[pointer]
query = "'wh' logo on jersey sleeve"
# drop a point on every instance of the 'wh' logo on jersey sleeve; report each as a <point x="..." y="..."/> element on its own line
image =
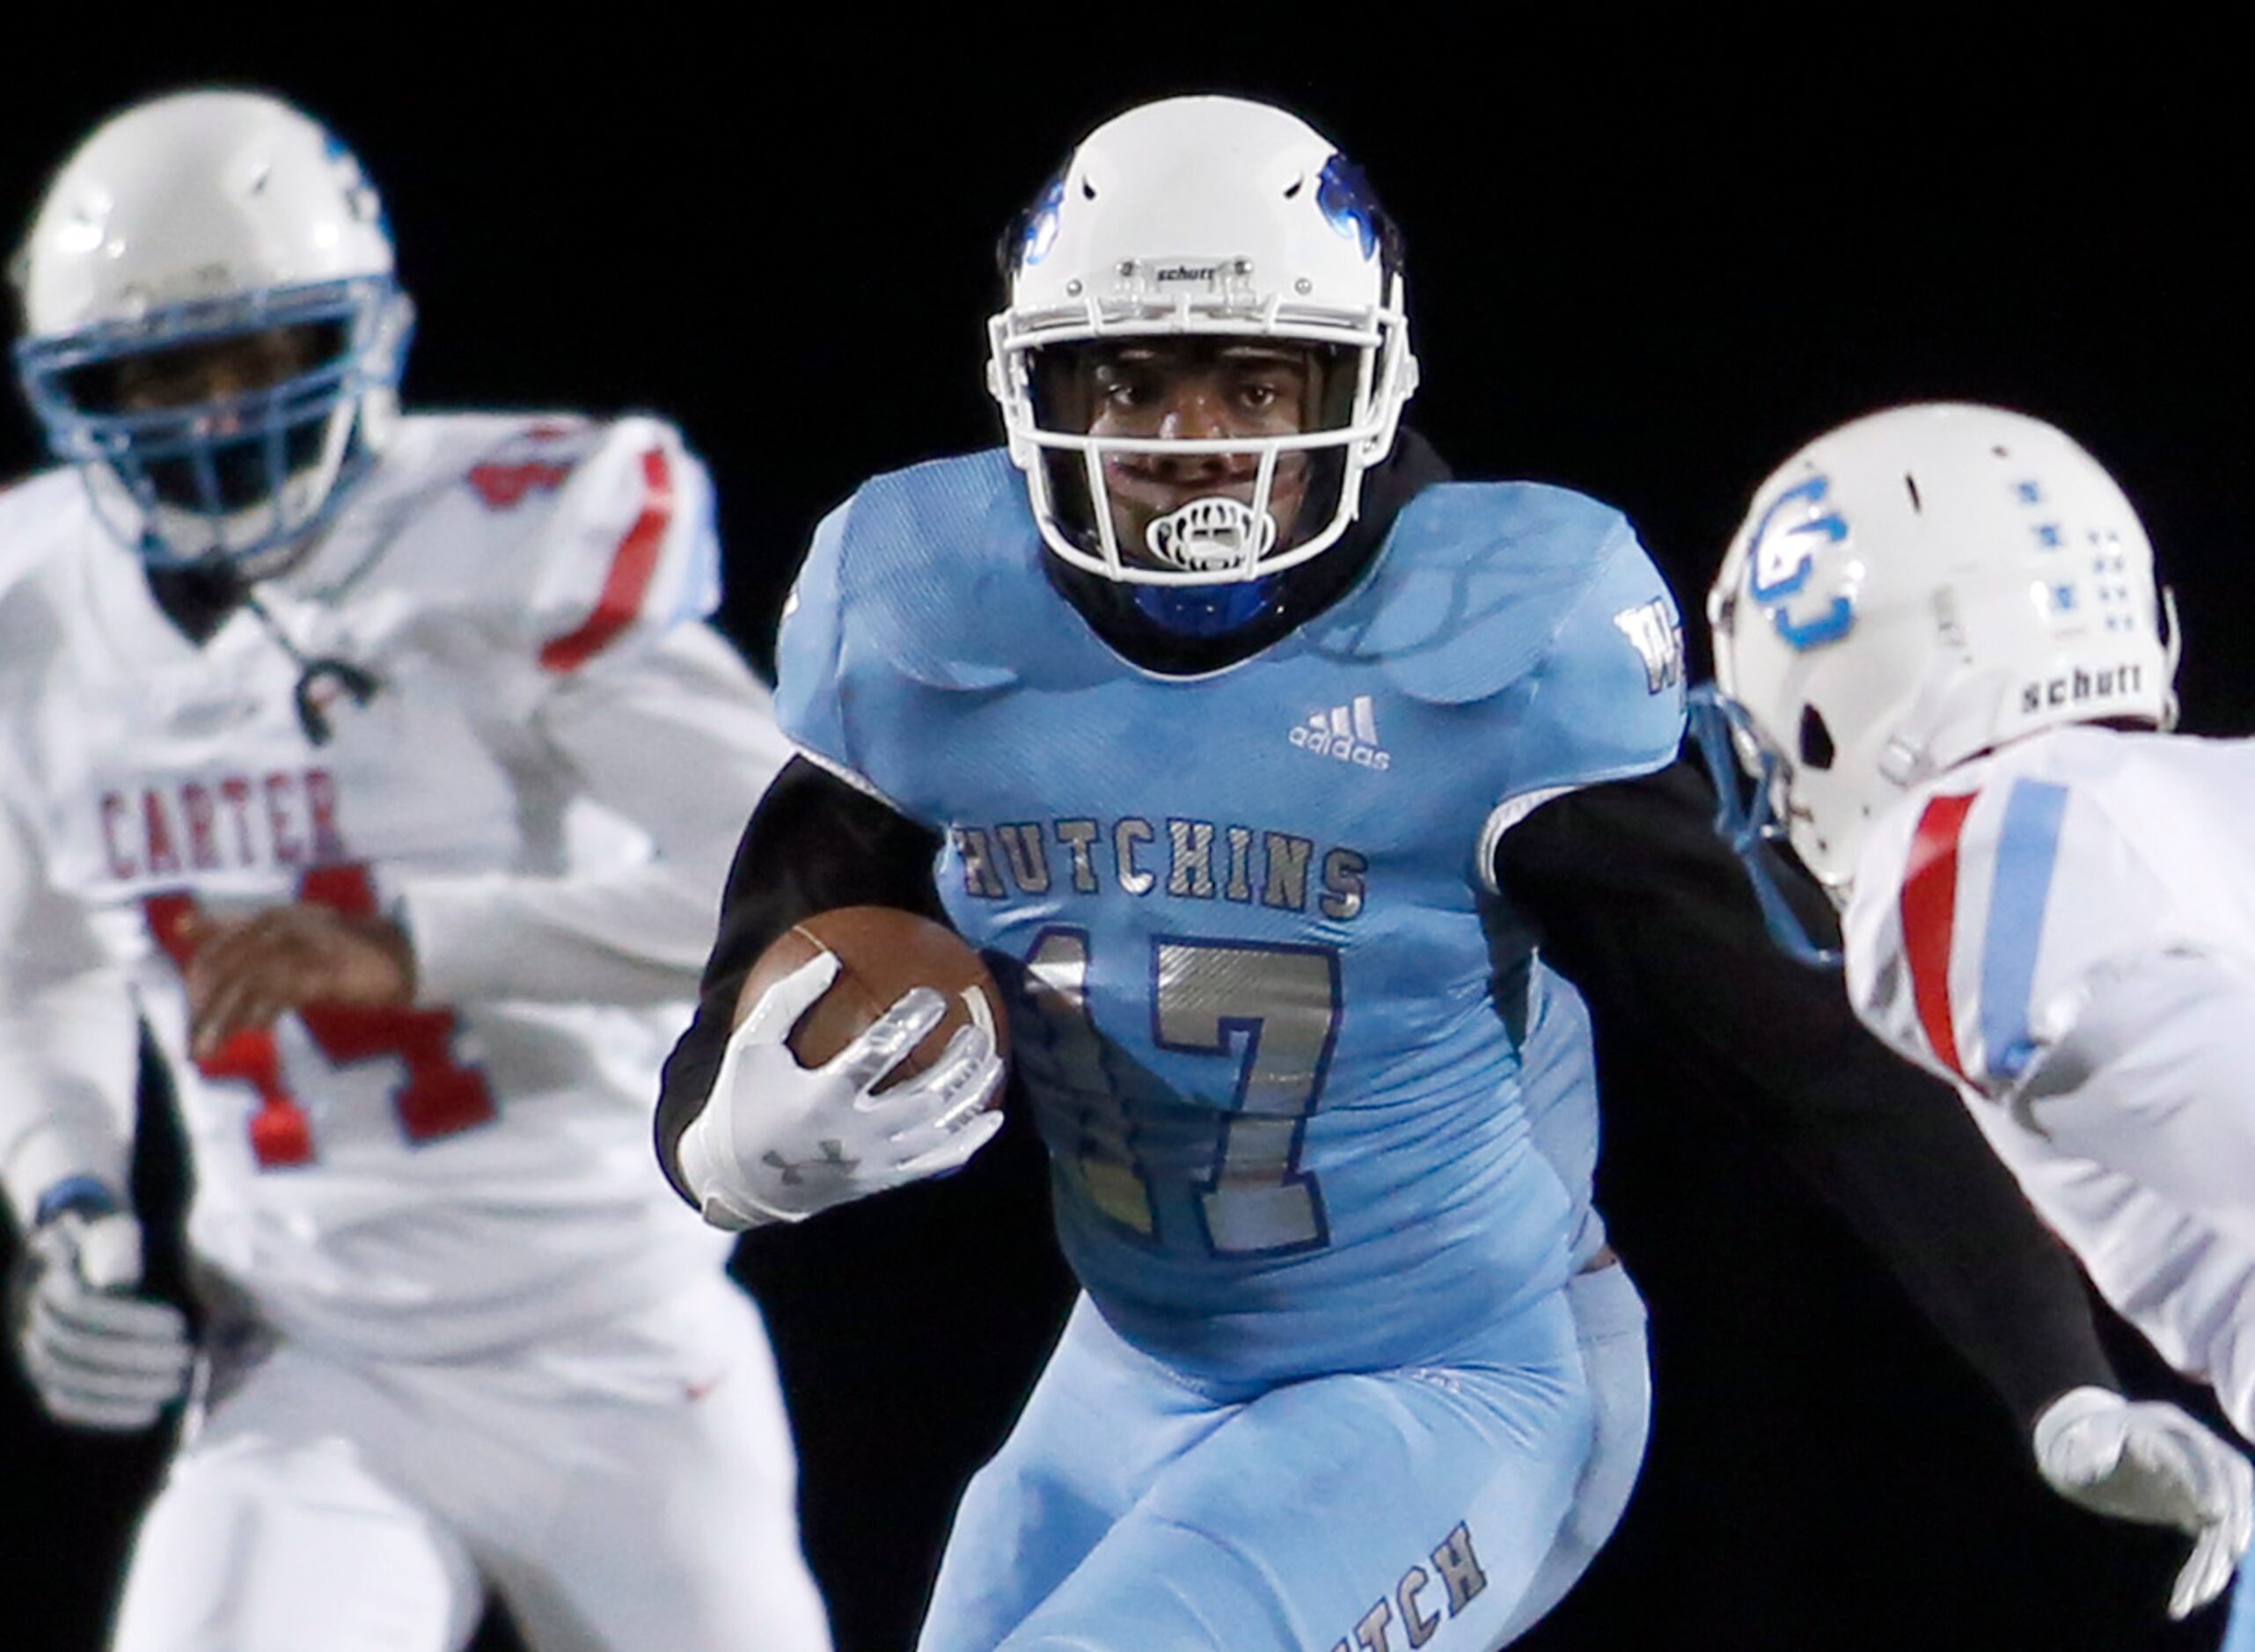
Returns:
<point x="1658" y="641"/>
<point x="1348" y="733"/>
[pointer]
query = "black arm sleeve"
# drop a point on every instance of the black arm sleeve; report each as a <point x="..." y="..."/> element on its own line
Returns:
<point x="813" y="842"/>
<point x="1645" y="909"/>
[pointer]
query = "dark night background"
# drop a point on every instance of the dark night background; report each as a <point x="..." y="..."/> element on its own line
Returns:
<point x="1645" y="266"/>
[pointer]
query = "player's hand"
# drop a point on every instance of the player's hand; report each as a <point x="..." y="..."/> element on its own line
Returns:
<point x="777" y="1142"/>
<point x="99" y="1354"/>
<point x="2150" y="1462"/>
<point x="247" y="971"/>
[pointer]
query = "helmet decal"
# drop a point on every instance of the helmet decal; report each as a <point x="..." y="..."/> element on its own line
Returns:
<point x="2116" y="596"/>
<point x="361" y="196"/>
<point x="1779" y="562"/>
<point x="1344" y="197"/>
<point x="1039" y="234"/>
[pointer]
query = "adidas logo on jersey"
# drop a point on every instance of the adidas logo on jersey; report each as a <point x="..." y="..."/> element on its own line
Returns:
<point x="1348" y="733"/>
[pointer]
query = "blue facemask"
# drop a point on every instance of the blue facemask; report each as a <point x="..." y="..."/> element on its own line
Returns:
<point x="215" y="460"/>
<point x="1744" y="820"/>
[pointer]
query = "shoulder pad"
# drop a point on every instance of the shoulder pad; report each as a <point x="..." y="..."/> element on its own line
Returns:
<point x="940" y="565"/>
<point x="1538" y="604"/>
<point x="1477" y="579"/>
<point x="42" y="517"/>
<point x="578" y="538"/>
<point x="910" y="578"/>
<point x="1957" y="950"/>
<point x="38" y="515"/>
<point x="520" y="459"/>
<point x="630" y="550"/>
<point x="44" y="521"/>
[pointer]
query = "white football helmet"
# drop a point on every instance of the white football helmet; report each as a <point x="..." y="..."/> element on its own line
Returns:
<point x="183" y="221"/>
<point x="1208" y="216"/>
<point x="1915" y="588"/>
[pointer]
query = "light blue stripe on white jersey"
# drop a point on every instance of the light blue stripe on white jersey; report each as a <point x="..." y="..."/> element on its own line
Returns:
<point x="2027" y="848"/>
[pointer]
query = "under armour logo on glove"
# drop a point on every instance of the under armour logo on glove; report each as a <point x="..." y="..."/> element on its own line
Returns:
<point x="777" y="1142"/>
<point x="833" y="1159"/>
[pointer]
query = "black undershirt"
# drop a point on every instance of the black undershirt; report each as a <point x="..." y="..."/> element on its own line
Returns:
<point x="1650" y="915"/>
<point x="197" y="597"/>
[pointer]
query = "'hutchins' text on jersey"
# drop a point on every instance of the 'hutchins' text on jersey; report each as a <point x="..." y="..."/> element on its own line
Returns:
<point x="1194" y="859"/>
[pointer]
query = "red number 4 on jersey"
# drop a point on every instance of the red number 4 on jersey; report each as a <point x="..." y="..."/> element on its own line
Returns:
<point x="440" y="1096"/>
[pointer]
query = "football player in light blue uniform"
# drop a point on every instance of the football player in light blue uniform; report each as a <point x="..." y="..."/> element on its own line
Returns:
<point x="1257" y="753"/>
<point x="1214" y="701"/>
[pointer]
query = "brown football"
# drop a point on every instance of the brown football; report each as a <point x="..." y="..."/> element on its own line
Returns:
<point x="882" y="952"/>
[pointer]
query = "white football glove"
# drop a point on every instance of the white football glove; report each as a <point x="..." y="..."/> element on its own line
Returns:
<point x="777" y="1142"/>
<point x="99" y="1354"/>
<point x="2150" y="1462"/>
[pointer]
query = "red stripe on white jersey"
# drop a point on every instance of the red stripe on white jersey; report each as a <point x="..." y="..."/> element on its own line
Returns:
<point x="628" y="581"/>
<point x="1929" y="916"/>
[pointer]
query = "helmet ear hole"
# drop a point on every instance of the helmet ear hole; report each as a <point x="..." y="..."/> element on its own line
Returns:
<point x="1817" y="751"/>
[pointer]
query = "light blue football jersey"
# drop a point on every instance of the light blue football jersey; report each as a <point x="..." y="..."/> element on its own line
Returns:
<point x="1268" y="1010"/>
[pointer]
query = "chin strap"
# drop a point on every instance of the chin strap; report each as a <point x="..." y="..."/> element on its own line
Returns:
<point x="1945" y="689"/>
<point x="359" y="684"/>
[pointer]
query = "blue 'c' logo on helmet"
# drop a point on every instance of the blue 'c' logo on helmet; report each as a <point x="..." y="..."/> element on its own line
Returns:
<point x="1778" y="566"/>
<point x="1344" y="195"/>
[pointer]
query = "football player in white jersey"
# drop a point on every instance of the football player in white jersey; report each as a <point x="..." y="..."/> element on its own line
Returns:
<point x="1942" y="655"/>
<point x="385" y="767"/>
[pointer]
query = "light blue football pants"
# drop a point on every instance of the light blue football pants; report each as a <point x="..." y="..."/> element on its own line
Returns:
<point x="1405" y="1511"/>
<point x="2239" y="1633"/>
<point x="1609" y="1324"/>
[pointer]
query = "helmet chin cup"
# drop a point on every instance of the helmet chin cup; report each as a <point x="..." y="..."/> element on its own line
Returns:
<point x="1208" y="534"/>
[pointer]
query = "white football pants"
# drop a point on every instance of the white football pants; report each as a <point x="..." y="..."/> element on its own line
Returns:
<point x="625" y="1487"/>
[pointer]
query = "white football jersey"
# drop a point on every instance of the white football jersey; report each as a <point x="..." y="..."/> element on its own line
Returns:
<point x="545" y="790"/>
<point x="2027" y="926"/>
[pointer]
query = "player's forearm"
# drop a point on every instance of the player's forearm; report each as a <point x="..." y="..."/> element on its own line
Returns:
<point x="678" y="741"/>
<point x="38" y="1154"/>
<point x="68" y="1056"/>
<point x="813" y="842"/>
<point x="1893" y="1152"/>
<point x="636" y="937"/>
